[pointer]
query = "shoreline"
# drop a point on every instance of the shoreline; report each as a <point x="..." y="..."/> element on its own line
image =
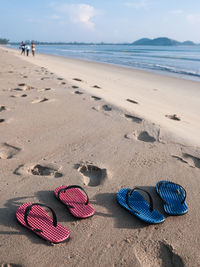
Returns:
<point x="172" y="74"/>
<point x="154" y="97"/>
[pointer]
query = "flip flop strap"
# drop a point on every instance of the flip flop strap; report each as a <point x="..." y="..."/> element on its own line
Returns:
<point x="28" y="209"/>
<point x="166" y="183"/>
<point x="128" y="194"/>
<point x="69" y="187"/>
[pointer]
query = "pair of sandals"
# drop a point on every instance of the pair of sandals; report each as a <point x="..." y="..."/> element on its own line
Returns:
<point x="34" y="217"/>
<point x="173" y="196"/>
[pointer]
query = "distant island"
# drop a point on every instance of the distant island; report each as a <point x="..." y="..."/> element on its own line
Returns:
<point x="161" y="41"/>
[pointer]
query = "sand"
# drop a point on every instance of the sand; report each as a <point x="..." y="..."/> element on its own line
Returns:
<point x="63" y="113"/>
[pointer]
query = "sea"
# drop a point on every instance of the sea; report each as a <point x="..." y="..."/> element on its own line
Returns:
<point x="178" y="61"/>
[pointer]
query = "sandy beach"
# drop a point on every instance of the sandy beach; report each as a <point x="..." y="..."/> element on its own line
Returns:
<point x="136" y="128"/>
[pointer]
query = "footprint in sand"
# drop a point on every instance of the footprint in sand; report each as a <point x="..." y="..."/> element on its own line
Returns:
<point x="146" y="137"/>
<point x="92" y="175"/>
<point x="96" y="98"/>
<point x="193" y="161"/>
<point x="63" y="83"/>
<point x="45" y="89"/>
<point x="23" y="95"/>
<point x="104" y="108"/>
<point x="2" y="120"/>
<point x="173" y="117"/>
<point x="41" y="100"/>
<point x="39" y="170"/>
<point x="8" y="151"/>
<point x="132" y="101"/>
<point x="142" y="136"/>
<point x="189" y="159"/>
<point x="133" y="118"/>
<point x="60" y="79"/>
<point x="96" y="86"/>
<point x="77" y="79"/>
<point x="45" y="171"/>
<point x="75" y="87"/>
<point x="157" y="253"/>
<point x="2" y="108"/>
<point x="78" y="92"/>
<point x="45" y="78"/>
<point x="23" y="87"/>
<point x="168" y="256"/>
<point x="17" y="89"/>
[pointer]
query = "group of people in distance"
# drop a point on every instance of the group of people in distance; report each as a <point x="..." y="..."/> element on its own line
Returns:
<point x="26" y="48"/>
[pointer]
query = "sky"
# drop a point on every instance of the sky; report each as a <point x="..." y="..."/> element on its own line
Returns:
<point x="99" y="20"/>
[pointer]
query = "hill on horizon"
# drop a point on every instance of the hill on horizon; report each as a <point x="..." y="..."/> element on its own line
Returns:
<point x="161" y="41"/>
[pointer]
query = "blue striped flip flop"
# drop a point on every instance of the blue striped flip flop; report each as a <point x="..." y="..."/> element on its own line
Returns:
<point x="173" y="196"/>
<point x="135" y="203"/>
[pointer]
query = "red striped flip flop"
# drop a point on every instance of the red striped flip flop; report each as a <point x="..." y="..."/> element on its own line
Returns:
<point x="35" y="218"/>
<point x="77" y="202"/>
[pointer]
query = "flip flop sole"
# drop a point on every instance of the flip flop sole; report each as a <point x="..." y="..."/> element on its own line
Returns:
<point x="75" y="200"/>
<point x="172" y="195"/>
<point x="38" y="218"/>
<point x="140" y="207"/>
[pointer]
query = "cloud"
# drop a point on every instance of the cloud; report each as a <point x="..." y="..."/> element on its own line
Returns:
<point x="138" y="4"/>
<point x="176" y="12"/>
<point x="193" y="18"/>
<point x="83" y="13"/>
<point x="78" y="13"/>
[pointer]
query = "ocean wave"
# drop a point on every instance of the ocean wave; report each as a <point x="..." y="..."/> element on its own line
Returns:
<point x="171" y="57"/>
<point x="175" y="70"/>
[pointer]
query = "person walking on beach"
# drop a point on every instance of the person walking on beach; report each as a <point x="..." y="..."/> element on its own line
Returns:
<point x="27" y="49"/>
<point x="23" y="48"/>
<point x="33" y="49"/>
